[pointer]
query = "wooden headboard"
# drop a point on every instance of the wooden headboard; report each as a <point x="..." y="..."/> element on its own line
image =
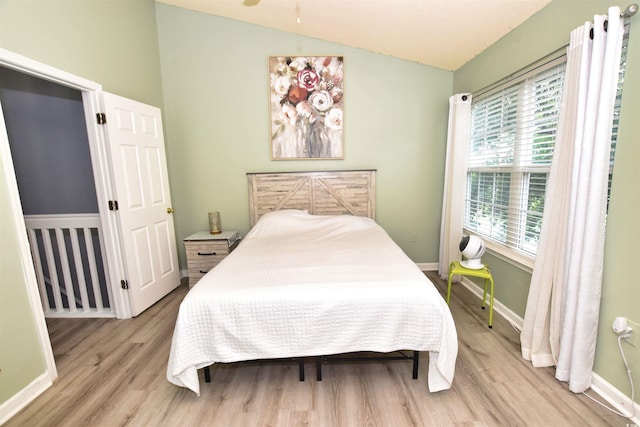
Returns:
<point x="320" y="193"/>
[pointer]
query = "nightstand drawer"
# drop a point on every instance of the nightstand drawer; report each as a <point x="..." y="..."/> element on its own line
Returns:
<point x="202" y="262"/>
<point x="196" y="274"/>
<point x="205" y="251"/>
<point x="203" y="265"/>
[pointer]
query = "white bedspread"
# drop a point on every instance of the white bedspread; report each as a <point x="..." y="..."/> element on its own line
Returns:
<point x="304" y="285"/>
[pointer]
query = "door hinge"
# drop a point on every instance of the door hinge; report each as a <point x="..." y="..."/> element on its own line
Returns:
<point x="124" y="284"/>
<point x="113" y="205"/>
<point x="101" y="118"/>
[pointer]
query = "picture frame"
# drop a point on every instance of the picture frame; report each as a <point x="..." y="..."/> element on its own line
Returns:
<point x="306" y="107"/>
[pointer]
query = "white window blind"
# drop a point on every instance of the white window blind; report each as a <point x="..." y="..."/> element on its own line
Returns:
<point x="513" y="134"/>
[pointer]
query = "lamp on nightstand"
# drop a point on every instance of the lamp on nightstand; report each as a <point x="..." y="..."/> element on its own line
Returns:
<point x="215" y="227"/>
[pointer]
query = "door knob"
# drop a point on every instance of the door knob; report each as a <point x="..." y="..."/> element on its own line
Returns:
<point x="170" y="210"/>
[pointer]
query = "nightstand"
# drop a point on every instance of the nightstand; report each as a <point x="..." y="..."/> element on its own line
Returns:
<point x="205" y="250"/>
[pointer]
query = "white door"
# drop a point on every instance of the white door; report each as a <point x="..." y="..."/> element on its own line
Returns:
<point x="136" y="145"/>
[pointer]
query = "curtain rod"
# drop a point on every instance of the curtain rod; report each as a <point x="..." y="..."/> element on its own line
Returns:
<point x="538" y="63"/>
<point x="631" y="10"/>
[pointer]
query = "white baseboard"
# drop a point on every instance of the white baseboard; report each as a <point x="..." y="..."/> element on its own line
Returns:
<point x="617" y="399"/>
<point x="428" y="266"/>
<point x="620" y="401"/>
<point x="25" y="396"/>
<point x="498" y="307"/>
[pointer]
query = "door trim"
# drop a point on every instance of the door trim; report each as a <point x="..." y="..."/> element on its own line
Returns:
<point x="93" y="104"/>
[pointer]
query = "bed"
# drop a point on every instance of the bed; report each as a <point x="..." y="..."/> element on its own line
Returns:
<point x="315" y="276"/>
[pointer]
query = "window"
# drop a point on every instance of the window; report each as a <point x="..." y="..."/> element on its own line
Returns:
<point x="513" y="132"/>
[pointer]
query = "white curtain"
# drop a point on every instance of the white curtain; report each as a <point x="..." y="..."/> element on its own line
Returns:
<point x="561" y="318"/>
<point x="455" y="180"/>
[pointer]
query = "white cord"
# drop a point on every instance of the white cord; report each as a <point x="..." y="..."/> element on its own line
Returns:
<point x="633" y="391"/>
<point x="626" y="365"/>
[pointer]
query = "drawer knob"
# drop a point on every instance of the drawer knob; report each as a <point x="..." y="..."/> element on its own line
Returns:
<point x="206" y="253"/>
<point x="203" y="272"/>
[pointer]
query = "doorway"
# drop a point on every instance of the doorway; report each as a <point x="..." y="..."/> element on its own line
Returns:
<point x="50" y="150"/>
<point x="119" y="260"/>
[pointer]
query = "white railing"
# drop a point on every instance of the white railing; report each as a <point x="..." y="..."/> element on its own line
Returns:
<point x="71" y="274"/>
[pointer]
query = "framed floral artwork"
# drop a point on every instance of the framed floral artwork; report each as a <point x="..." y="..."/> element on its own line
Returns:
<point x="307" y="98"/>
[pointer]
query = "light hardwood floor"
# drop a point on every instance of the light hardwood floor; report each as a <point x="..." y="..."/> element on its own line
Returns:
<point x="112" y="373"/>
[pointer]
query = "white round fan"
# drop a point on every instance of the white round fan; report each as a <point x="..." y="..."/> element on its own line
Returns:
<point x="472" y="248"/>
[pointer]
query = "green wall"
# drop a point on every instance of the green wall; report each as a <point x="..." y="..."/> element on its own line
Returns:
<point x="545" y="32"/>
<point x="21" y="355"/>
<point x="216" y="87"/>
<point x="113" y="42"/>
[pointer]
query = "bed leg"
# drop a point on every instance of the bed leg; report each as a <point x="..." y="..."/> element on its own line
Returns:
<point x="319" y="368"/>
<point x="301" y="368"/>
<point x="416" y="358"/>
<point x="207" y="374"/>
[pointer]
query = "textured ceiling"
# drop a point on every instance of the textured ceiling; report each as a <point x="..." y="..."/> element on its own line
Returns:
<point x="441" y="33"/>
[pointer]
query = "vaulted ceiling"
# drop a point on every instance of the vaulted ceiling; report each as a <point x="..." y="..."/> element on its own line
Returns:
<point x="440" y="33"/>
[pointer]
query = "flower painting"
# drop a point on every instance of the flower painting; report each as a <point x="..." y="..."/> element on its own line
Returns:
<point x="306" y="107"/>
